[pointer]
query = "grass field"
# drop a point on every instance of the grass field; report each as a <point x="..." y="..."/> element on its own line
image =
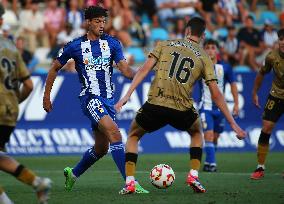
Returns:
<point x="101" y="183"/>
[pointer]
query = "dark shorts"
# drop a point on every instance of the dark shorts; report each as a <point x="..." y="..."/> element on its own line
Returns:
<point x="273" y="109"/>
<point x="153" y="117"/>
<point x="5" y="133"/>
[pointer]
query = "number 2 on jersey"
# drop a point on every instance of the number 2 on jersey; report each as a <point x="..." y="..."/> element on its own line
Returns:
<point x="181" y="68"/>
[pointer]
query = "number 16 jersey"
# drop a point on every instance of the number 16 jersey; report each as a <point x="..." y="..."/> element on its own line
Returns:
<point x="180" y="63"/>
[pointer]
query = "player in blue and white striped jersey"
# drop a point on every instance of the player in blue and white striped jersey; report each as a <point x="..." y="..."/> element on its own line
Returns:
<point x="94" y="55"/>
<point x="211" y="117"/>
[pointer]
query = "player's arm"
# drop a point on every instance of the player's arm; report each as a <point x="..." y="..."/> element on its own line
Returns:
<point x="124" y="68"/>
<point x="234" y="91"/>
<point x="259" y="78"/>
<point x="26" y="89"/>
<point x="219" y="100"/>
<point x="52" y="74"/>
<point x="138" y="78"/>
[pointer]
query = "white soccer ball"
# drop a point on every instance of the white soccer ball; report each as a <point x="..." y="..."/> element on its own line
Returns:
<point x="162" y="176"/>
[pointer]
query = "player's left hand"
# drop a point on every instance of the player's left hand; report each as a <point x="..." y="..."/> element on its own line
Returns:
<point x="121" y="103"/>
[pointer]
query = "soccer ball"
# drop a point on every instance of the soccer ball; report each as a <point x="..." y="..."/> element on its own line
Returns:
<point x="162" y="176"/>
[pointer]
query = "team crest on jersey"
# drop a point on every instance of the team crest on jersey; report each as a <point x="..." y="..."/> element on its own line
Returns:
<point x="104" y="46"/>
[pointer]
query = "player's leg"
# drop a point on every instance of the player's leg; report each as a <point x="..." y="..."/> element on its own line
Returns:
<point x="272" y="112"/>
<point x="4" y="199"/>
<point x="91" y="156"/>
<point x="195" y="157"/>
<point x="131" y="155"/>
<point x="208" y="129"/>
<point x="148" y="119"/>
<point x="23" y="174"/>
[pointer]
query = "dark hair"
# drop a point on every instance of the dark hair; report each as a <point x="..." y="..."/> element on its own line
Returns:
<point x="197" y="26"/>
<point x="250" y="17"/>
<point x="280" y="33"/>
<point x="211" y="42"/>
<point x="95" y="12"/>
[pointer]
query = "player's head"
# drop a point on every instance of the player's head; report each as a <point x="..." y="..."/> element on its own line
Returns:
<point x="249" y="21"/>
<point x="280" y="34"/>
<point x="211" y="48"/>
<point x="95" y="17"/>
<point x="195" y="27"/>
<point x="2" y="11"/>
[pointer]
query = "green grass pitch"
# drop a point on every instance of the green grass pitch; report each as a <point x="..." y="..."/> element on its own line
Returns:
<point x="101" y="183"/>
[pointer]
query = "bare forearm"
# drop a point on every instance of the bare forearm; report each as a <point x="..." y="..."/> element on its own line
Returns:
<point x="219" y="100"/>
<point x="234" y="90"/>
<point x="128" y="73"/>
<point x="49" y="82"/>
<point x="257" y="83"/>
<point x="25" y="92"/>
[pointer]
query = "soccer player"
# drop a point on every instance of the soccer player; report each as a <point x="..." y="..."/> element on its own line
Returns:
<point x="94" y="54"/>
<point x="13" y="73"/>
<point x="178" y="65"/>
<point x="274" y="107"/>
<point x="211" y="116"/>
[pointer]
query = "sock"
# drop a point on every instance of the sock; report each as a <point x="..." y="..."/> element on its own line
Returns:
<point x="117" y="152"/>
<point x="260" y="166"/>
<point x="195" y="157"/>
<point x="129" y="179"/>
<point x="130" y="163"/>
<point x="24" y="175"/>
<point x="193" y="172"/>
<point x="88" y="159"/>
<point x="4" y="198"/>
<point x="263" y="147"/>
<point x="215" y="145"/>
<point x="210" y="153"/>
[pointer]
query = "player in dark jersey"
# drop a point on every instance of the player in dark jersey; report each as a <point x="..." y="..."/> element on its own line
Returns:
<point x="179" y="64"/>
<point x="212" y="119"/>
<point x="94" y="54"/>
<point x="274" y="107"/>
<point x="13" y="73"/>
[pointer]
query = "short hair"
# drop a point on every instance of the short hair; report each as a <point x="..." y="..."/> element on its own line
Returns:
<point x="250" y="17"/>
<point x="211" y="42"/>
<point x="95" y="12"/>
<point x="197" y="26"/>
<point x="280" y="33"/>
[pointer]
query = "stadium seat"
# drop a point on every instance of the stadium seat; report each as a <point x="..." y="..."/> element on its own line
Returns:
<point x="268" y="15"/>
<point x="159" y="34"/>
<point x="220" y="33"/>
<point x="208" y="34"/>
<point x="137" y="53"/>
<point x="242" y="69"/>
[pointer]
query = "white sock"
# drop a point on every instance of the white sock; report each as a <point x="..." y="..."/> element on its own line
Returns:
<point x="129" y="179"/>
<point x="4" y="199"/>
<point x="36" y="182"/>
<point x="260" y="166"/>
<point x="194" y="172"/>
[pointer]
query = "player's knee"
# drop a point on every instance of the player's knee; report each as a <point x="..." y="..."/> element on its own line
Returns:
<point x="264" y="138"/>
<point x="267" y="129"/>
<point x="114" y="135"/>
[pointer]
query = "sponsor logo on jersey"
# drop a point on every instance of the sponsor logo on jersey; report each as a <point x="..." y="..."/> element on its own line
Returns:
<point x="96" y="61"/>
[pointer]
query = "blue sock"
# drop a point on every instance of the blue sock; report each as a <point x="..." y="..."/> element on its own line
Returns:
<point x="88" y="159"/>
<point x="210" y="152"/>
<point x="117" y="152"/>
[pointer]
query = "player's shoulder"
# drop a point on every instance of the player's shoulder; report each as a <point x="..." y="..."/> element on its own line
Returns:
<point x="111" y="39"/>
<point x="273" y="54"/>
<point x="76" y="41"/>
<point x="8" y="44"/>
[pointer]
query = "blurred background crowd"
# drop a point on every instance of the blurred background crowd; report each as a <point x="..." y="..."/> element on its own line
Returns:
<point x="245" y="29"/>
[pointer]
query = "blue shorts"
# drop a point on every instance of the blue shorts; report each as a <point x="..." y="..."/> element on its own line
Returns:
<point x="212" y="120"/>
<point x="95" y="107"/>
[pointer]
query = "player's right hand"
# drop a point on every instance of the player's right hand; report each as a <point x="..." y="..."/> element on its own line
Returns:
<point x="241" y="134"/>
<point x="47" y="105"/>
<point x="255" y="100"/>
<point x="121" y="103"/>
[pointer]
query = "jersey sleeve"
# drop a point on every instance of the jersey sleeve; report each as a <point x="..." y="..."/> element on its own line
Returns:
<point x="117" y="52"/>
<point x="23" y="72"/>
<point x="230" y="75"/>
<point x="156" y="52"/>
<point x="208" y="73"/>
<point x="65" y="54"/>
<point x="268" y="64"/>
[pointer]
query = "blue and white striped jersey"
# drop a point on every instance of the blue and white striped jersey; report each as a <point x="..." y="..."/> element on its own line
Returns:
<point x="93" y="61"/>
<point x="224" y="74"/>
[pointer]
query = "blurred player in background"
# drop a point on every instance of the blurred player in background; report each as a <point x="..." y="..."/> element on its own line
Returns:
<point x="178" y="65"/>
<point x="274" y="107"/>
<point x="212" y="119"/>
<point x="14" y="73"/>
<point x="94" y="54"/>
